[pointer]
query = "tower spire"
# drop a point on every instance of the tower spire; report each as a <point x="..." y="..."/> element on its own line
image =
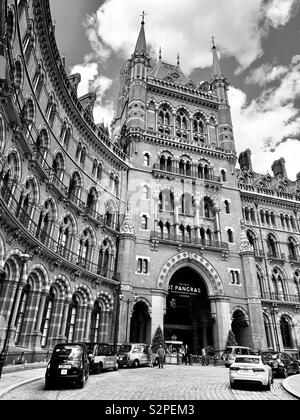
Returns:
<point x="141" y="46"/>
<point x="178" y="59"/>
<point x="216" y="70"/>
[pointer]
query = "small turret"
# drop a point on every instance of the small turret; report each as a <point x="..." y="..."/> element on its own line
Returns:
<point x="245" y="160"/>
<point x="139" y="63"/>
<point x="278" y="168"/>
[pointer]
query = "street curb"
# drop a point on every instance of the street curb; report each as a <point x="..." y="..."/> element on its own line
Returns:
<point x="27" y="381"/>
<point x="289" y="389"/>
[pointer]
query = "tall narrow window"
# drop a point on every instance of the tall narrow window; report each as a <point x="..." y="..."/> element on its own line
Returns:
<point x="95" y="323"/>
<point x="71" y="321"/>
<point x="230" y="235"/>
<point x="47" y="318"/>
<point x="21" y="312"/>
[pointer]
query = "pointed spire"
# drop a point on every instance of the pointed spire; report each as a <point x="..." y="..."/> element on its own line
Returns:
<point x="159" y="55"/>
<point x="141" y="46"/>
<point x="178" y="59"/>
<point x="216" y="70"/>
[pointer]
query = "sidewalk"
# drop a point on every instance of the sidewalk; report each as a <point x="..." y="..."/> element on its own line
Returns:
<point x="292" y="385"/>
<point x="11" y="380"/>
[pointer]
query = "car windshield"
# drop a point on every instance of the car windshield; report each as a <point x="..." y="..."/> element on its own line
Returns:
<point x="68" y="352"/>
<point x="125" y="348"/>
<point x="252" y="360"/>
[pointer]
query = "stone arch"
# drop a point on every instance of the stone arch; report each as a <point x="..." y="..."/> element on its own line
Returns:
<point x="64" y="286"/>
<point x="288" y="315"/>
<point x="146" y="302"/>
<point x="84" y="291"/>
<point x="16" y="165"/>
<point x="2" y="251"/>
<point x="241" y="309"/>
<point x="43" y="276"/>
<point x="212" y="279"/>
<point x="106" y="298"/>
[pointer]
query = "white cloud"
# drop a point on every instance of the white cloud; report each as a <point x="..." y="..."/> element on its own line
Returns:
<point x="278" y="12"/>
<point x="269" y="124"/>
<point x="189" y="25"/>
<point x="265" y="74"/>
<point x="92" y="82"/>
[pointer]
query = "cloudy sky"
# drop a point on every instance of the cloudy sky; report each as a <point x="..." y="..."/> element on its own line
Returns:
<point x="258" y="42"/>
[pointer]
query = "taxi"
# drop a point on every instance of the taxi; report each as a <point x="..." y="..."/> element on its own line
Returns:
<point x="102" y="357"/>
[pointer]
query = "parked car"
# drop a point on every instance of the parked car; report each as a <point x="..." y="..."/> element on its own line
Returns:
<point x="250" y="369"/>
<point x="133" y="355"/>
<point x="281" y="363"/>
<point x="231" y="352"/>
<point x="101" y="357"/>
<point x="68" y="364"/>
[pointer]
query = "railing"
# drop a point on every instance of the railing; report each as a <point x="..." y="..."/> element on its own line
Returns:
<point x="192" y="174"/>
<point x="276" y="256"/>
<point x="282" y="297"/>
<point x="188" y="240"/>
<point x="32" y="228"/>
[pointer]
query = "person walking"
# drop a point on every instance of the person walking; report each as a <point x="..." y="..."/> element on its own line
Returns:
<point x="150" y="356"/>
<point x="161" y="356"/>
<point x="187" y="355"/>
<point x="203" y="354"/>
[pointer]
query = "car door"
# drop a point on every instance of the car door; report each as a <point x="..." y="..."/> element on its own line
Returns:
<point x="109" y="357"/>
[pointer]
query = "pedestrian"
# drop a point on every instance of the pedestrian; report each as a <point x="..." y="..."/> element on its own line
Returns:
<point x="161" y="356"/>
<point x="150" y="356"/>
<point x="187" y="354"/>
<point x="203" y="354"/>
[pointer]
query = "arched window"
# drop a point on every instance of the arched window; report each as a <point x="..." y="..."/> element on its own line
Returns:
<point x="85" y="249"/>
<point x="72" y="318"/>
<point x="278" y="285"/>
<point x="105" y="261"/>
<point x="186" y="204"/>
<point x="78" y="151"/>
<point x="252" y="215"/>
<point x="145" y="192"/>
<point x="83" y="156"/>
<point x="10" y="25"/>
<point x="273" y="219"/>
<point x="286" y="333"/>
<point x="230" y="235"/>
<point x="227" y="207"/>
<point x="95" y="323"/>
<point x="182" y="124"/>
<point x="164" y="120"/>
<point x="252" y="240"/>
<point x="198" y="128"/>
<point x="262" y="216"/>
<point x="272" y="246"/>
<point x="91" y="202"/>
<point x="18" y="76"/>
<point x="46" y="320"/>
<point x="65" y="238"/>
<point x="208" y="208"/>
<point x="282" y="221"/>
<point x="188" y="169"/>
<point x="293" y="249"/>
<point x="297" y="285"/>
<point x="21" y="312"/>
<point x="144" y="223"/>
<point x="117" y="186"/>
<point x="99" y="171"/>
<point x="223" y="175"/>
<point x="146" y="159"/>
<point x="166" y="201"/>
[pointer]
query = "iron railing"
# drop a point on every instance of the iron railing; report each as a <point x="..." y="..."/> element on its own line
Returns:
<point x="188" y="240"/>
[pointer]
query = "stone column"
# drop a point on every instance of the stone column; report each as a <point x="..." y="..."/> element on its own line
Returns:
<point x="56" y="323"/>
<point x="40" y="307"/>
<point x="63" y="325"/>
<point x="80" y="323"/>
<point x="218" y="224"/>
<point x="220" y="306"/>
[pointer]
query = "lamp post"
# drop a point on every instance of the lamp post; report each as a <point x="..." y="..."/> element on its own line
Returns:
<point x="4" y="351"/>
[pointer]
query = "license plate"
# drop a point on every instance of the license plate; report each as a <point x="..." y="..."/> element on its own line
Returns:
<point x="64" y="372"/>
<point x="64" y="367"/>
<point x="247" y="370"/>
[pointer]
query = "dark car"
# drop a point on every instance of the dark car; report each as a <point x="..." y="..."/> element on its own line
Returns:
<point x="68" y="364"/>
<point x="281" y="363"/>
<point x="102" y="357"/>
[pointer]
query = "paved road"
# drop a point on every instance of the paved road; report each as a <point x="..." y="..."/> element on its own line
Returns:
<point x="171" y="383"/>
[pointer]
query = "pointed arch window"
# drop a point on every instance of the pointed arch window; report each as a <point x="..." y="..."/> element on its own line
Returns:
<point x="47" y="315"/>
<point x="227" y="207"/>
<point x="72" y="318"/>
<point x="21" y="312"/>
<point x="95" y="323"/>
<point x="144" y="224"/>
<point x="286" y="333"/>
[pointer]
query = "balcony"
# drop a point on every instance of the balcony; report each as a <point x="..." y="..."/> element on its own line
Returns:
<point x="168" y="170"/>
<point x="39" y="163"/>
<point x="192" y="242"/>
<point x="259" y="254"/>
<point x="294" y="259"/>
<point x="280" y="297"/>
<point x="55" y="184"/>
<point x="276" y="257"/>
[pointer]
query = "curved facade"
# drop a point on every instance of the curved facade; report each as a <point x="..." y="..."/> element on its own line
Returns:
<point x="106" y="237"/>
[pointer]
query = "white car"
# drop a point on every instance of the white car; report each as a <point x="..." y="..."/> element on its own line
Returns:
<point x="250" y="369"/>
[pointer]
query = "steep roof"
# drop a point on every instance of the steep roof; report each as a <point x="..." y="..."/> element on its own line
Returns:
<point x="169" y="72"/>
<point x="141" y="46"/>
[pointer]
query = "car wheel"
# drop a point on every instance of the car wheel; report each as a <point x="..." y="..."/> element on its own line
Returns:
<point x="48" y="384"/>
<point x="116" y="367"/>
<point x="98" y="368"/>
<point x="268" y="386"/>
<point x="136" y="364"/>
<point x="82" y="381"/>
<point x="232" y="385"/>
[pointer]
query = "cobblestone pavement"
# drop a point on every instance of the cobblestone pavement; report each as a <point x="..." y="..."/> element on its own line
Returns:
<point x="171" y="383"/>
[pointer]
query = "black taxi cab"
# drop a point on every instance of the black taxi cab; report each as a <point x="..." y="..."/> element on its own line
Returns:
<point x="102" y="357"/>
<point x="68" y="364"/>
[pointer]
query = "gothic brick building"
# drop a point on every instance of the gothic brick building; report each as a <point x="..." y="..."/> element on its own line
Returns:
<point x="106" y="236"/>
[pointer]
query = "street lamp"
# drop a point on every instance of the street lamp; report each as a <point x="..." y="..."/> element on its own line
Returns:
<point x="24" y="258"/>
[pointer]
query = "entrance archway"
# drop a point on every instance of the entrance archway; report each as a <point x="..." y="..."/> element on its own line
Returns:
<point x="240" y="327"/>
<point x="140" y="324"/>
<point x="188" y="311"/>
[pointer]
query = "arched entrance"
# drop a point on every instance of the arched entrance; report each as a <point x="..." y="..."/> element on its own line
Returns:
<point x="240" y="328"/>
<point x="140" y="324"/>
<point x="188" y="311"/>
